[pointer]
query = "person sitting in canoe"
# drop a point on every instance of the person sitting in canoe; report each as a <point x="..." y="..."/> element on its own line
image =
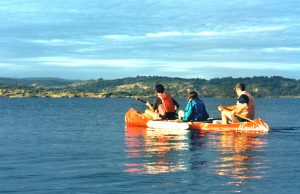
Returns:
<point x="195" y="109"/>
<point x="243" y="110"/>
<point x="164" y="106"/>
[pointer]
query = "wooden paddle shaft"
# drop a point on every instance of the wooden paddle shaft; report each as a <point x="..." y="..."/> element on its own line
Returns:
<point x="143" y="101"/>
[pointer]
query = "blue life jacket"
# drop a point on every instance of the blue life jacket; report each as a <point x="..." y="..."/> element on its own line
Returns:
<point x="195" y="111"/>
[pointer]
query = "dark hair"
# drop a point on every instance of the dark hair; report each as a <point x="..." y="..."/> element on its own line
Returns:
<point x="241" y="86"/>
<point x="159" y="88"/>
<point x="193" y="95"/>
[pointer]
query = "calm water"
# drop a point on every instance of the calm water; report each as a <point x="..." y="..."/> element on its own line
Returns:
<point x="81" y="146"/>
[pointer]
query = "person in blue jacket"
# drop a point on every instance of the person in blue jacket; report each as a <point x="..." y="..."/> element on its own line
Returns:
<point x="195" y="109"/>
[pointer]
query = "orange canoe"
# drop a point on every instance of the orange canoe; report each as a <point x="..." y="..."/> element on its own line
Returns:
<point x="134" y="118"/>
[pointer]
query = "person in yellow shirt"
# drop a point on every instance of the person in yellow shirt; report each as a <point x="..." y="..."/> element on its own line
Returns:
<point x="245" y="107"/>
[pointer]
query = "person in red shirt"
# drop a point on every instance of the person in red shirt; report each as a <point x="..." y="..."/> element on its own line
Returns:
<point x="164" y="106"/>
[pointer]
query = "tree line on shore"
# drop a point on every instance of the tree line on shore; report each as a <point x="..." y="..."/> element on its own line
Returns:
<point x="143" y="86"/>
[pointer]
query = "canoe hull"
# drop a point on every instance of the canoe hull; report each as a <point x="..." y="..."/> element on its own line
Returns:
<point x="135" y="119"/>
<point x="258" y="125"/>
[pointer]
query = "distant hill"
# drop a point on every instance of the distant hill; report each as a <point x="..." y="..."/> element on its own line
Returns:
<point x="144" y="86"/>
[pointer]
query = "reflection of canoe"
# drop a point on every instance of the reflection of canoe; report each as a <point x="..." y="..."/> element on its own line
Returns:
<point x="134" y="118"/>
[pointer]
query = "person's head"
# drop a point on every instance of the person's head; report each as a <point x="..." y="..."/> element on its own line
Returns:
<point x="193" y="95"/>
<point x="240" y="87"/>
<point x="159" y="88"/>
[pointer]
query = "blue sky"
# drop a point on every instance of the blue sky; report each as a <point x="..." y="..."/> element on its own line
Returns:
<point x="90" y="39"/>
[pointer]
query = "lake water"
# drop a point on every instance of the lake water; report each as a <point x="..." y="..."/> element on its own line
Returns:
<point x="81" y="146"/>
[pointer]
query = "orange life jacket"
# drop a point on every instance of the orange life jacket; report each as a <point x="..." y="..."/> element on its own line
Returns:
<point x="167" y="104"/>
<point x="249" y="110"/>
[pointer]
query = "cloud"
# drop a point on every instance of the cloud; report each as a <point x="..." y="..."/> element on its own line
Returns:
<point x="224" y="50"/>
<point x="255" y="65"/>
<point x="208" y="70"/>
<point x="159" y="35"/>
<point x="117" y="37"/>
<point x="12" y="67"/>
<point x="79" y="62"/>
<point x="60" y="42"/>
<point x="282" y="49"/>
<point x="164" y="34"/>
<point x="205" y="33"/>
<point x="163" y="65"/>
<point x="198" y="65"/>
<point x="172" y="34"/>
<point x="257" y="29"/>
<point x="172" y="69"/>
<point x="7" y="65"/>
<point x="115" y="68"/>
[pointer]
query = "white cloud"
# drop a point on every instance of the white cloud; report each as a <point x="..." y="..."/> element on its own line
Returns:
<point x="159" y="35"/>
<point x="224" y="50"/>
<point x="255" y="29"/>
<point x="51" y="41"/>
<point x="60" y="42"/>
<point x="165" y="34"/>
<point x="175" y="66"/>
<point x="191" y="66"/>
<point x="177" y="69"/>
<point x="121" y="37"/>
<point x="282" y="49"/>
<point x="205" y="33"/>
<point x="79" y="62"/>
<point x="170" y="34"/>
<point x="12" y="66"/>
<point x="117" y="67"/>
<point x="5" y="64"/>
<point x="117" y="37"/>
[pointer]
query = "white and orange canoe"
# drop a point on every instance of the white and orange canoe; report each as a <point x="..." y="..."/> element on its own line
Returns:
<point x="134" y="118"/>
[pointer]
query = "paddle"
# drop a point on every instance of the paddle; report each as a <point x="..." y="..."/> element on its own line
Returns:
<point x="143" y="101"/>
<point x="151" y="111"/>
<point x="260" y="125"/>
<point x="245" y="118"/>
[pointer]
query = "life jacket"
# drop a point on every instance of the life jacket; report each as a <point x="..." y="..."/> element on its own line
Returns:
<point x="167" y="105"/>
<point x="249" y="110"/>
<point x="200" y="110"/>
<point x="195" y="111"/>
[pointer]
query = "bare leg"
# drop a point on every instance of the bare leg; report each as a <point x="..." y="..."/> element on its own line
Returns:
<point x="152" y="114"/>
<point x="226" y="115"/>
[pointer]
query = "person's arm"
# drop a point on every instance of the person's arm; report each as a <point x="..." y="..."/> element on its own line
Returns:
<point x="149" y="106"/>
<point x="240" y="107"/>
<point x="152" y="106"/>
<point x="228" y="108"/>
<point x="156" y="103"/>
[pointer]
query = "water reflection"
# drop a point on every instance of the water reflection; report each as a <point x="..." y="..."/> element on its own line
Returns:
<point x="238" y="157"/>
<point x="154" y="151"/>
<point x="235" y="159"/>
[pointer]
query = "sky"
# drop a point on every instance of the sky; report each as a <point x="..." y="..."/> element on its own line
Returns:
<point x="91" y="39"/>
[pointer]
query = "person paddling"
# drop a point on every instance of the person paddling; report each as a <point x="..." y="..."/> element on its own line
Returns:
<point x="244" y="108"/>
<point x="195" y="109"/>
<point x="164" y="106"/>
